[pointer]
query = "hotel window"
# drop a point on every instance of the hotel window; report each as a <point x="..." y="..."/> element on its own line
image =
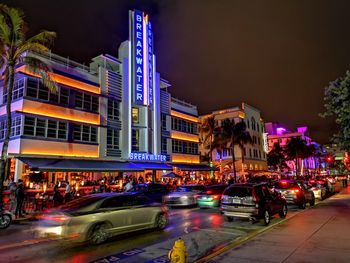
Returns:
<point x="164" y="145"/>
<point x="35" y="89"/>
<point x="85" y="133"/>
<point x="259" y="140"/>
<point x="163" y="121"/>
<point x="17" y="92"/>
<point x="112" y="139"/>
<point x="250" y="152"/>
<point x="245" y="151"/>
<point x="191" y="148"/>
<point x="135" y="139"/>
<point x="135" y="115"/>
<point x="113" y="109"/>
<point x="248" y="125"/>
<point x="253" y="123"/>
<point x="259" y="154"/>
<point x="86" y="101"/>
<point x="45" y="128"/>
<point x="15" y="127"/>
<point x="177" y="146"/>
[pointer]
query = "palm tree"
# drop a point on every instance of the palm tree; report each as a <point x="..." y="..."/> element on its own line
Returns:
<point x="207" y="129"/>
<point x="276" y="157"/>
<point x="235" y="134"/>
<point x="296" y="149"/>
<point x="16" y="49"/>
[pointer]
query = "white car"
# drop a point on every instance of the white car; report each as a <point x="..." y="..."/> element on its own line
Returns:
<point x="319" y="190"/>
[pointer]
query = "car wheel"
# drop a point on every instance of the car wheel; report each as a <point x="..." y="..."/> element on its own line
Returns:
<point x="283" y="212"/>
<point x="228" y="218"/>
<point x="267" y="217"/>
<point x="99" y="234"/>
<point x="161" y="221"/>
<point x="302" y="204"/>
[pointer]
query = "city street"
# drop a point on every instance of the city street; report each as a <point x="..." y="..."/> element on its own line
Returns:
<point x="202" y="230"/>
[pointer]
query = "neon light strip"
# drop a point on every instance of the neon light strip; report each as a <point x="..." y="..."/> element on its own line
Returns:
<point x="184" y="136"/>
<point x="155" y="104"/>
<point x="58" y="154"/>
<point x="185" y="158"/>
<point x="53" y="111"/>
<point x="64" y="80"/>
<point x="184" y="116"/>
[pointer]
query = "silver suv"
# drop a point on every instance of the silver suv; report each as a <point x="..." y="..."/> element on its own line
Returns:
<point x="95" y="218"/>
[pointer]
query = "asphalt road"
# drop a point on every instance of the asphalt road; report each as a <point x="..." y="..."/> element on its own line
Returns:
<point x="202" y="230"/>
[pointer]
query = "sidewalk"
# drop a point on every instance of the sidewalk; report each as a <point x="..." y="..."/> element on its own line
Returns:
<point x="320" y="234"/>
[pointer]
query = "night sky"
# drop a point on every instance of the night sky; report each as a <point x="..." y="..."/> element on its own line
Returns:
<point x="275" y="55"/>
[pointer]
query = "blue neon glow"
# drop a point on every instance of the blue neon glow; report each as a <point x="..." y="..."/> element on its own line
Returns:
<point x="138" y="56"/>
<point x="147" y="157"/>
<point x="150" y="63"/>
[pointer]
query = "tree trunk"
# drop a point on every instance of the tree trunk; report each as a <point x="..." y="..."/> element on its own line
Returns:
<point x="243" y="174"/>
<point x="296" y="167"/>
<point x="3" y="158"/>
<point x="234" y="163"/>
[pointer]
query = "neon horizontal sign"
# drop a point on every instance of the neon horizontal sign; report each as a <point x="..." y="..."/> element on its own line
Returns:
<point x="147" y="157"/>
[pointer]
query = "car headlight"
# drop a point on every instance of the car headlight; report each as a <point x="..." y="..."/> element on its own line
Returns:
<point x="184" y="197"/>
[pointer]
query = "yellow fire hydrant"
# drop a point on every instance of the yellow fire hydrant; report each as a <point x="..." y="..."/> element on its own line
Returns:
<point x="178" y="253"/>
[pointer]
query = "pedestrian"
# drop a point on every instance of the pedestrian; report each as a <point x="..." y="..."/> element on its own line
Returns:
<point x="67" y="193"/>
<point x="12" y="187"/>
<point x="128" y="187"/>
<point x="57" y="197"/>
<point x="19" y="200"/>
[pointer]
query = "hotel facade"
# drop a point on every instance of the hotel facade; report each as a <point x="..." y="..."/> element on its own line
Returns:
<point x="281" y="135"/>
<point x="253" y="157"/>
<point x="114" y="116"/>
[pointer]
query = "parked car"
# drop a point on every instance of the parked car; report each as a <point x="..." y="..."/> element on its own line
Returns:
<point x="211" y="197"/>
<point x="295" y="192"/>
<point x="184" y="195"/>
<point x="95" y="218"/>
<point x="154" y="191"/>
<point x="318" y="189"/>
<point x="253" y="201"/>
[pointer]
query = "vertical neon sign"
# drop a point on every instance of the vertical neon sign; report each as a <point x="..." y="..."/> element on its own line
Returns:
<point x="150" y="62"/>
<point x="143" y="59"/>
<point x="138" y="58"/>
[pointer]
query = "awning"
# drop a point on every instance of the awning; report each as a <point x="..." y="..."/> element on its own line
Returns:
<point x="152" y="166"/>
<point x="194" y="167"/>
<point x="45" y="165"/>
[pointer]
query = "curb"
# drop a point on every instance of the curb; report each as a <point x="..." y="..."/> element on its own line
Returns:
<point x="253" y="234"/>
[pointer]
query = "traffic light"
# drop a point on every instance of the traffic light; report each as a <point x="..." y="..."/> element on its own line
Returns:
<point x="329" y="159"/>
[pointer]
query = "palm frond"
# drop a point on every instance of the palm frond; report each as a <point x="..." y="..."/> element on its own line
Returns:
<point x="5" y="31"/>
<point x="15" y="17"/>
<point x="27" y="47"/>
<point x="39" y="67"/>
<point x="45" y="38"/>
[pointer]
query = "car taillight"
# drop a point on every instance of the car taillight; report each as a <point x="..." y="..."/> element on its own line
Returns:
<point x="195" y="196"/>
<point x="216" y="197"/>
<point x="209" y="192"/>
<point x="56" y="218"/>
<point x="295" y="191"/>
<point x="164" y="209"/>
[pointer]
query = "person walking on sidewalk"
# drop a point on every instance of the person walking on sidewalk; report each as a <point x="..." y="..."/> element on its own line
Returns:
<point x="19" y="200"/>
<point x="67" y="193"/>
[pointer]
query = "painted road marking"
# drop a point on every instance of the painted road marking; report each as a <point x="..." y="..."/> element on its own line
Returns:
<point x="162" y="259"/>
<point x="119" y="256"/>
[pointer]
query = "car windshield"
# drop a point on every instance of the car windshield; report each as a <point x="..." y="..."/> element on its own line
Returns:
<point x="81" y="202"/>
<point x="238" y="191"/>
<point x="284" y="185"/>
